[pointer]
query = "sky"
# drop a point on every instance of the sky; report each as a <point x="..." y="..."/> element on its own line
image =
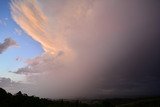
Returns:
<point x="80" y="48"/>
<point x="13" y="58"/>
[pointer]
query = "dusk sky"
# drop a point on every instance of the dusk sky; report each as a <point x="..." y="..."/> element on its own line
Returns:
<point x="80" y="48"/>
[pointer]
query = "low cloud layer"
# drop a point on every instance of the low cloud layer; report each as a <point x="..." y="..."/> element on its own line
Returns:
<point x="93" y="48"/>
<point x="14" y="87"/>
<point x="8" y="42"/>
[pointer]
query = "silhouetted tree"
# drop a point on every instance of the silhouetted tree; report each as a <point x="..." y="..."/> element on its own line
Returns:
<point x="23" y="100"/>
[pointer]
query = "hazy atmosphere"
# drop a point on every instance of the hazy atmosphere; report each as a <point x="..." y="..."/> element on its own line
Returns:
<point x="80" y="48"/>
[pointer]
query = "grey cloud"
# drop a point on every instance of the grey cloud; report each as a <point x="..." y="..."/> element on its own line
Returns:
<point x="5" y="82"/>
<point x="8" y="42"/>
<point x="24" y="70"/>
<point x="8" y="84"/>
<point x="13" y="86"/>
<point x="39" y="64"/>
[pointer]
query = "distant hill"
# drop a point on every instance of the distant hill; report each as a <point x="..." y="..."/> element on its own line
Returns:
<point x="23" y="100"/>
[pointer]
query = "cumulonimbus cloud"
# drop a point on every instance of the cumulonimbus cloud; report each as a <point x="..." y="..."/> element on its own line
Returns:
<point x="86" y="44"/>
<point x="8" y="42"/>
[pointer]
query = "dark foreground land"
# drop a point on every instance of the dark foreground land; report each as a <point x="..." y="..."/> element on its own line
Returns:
<point x="23" y="100"/>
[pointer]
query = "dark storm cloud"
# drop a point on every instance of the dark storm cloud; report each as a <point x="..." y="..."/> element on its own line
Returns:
<point x="137" y="71"/>
<point x="8" y="42"/>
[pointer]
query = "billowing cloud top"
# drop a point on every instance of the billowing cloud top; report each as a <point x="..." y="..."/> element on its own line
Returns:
<point x="8" y="42"/>
<point x="29" y="15"/>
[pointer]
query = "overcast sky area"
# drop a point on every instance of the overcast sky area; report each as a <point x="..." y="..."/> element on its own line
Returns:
<point x="80" y="48"/>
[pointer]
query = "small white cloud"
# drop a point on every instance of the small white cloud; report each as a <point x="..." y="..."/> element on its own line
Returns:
<point x="18" y="31"/>
<point x="6" y="18"/>
<point x="3" y="22"/>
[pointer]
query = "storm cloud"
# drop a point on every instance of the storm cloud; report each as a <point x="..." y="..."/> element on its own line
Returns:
<point x="93" y="48"/>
